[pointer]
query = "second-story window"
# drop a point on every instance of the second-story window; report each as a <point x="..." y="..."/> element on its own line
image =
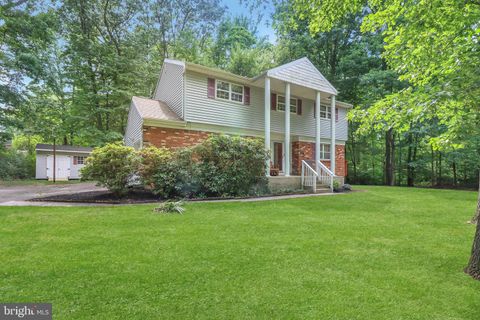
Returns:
<point x="229" y="91"/>
<point x="281" y="104"/>
<point x="325" y="112"/>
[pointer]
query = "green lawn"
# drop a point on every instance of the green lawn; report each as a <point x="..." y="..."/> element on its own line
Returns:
<point x="388" y="253"/>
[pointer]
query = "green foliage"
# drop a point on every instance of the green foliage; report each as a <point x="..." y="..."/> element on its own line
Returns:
<point x="16" y="164"/>
<point x="336" y="186"/>
<point x="220" y="166"/>
<point x="170" y="207"/>
<point x="26" y="143"/>
<point x="230" y="166"/>
<point x="112" y="166"/>
<point x="151" y="159"/>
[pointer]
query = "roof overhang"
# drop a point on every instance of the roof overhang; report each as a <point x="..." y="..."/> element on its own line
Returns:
<point x="64" y="151"/>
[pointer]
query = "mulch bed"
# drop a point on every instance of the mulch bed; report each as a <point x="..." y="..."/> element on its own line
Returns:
<point x="135" y="196"/>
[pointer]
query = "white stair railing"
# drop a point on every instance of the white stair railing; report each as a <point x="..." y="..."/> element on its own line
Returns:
<point x="325" y="175"/>
<point x="309" y="176"/>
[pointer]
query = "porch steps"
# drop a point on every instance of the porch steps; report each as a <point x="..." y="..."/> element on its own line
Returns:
<point x="322" y="189"/>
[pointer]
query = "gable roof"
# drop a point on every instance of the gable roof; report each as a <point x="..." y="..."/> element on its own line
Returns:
<point x="302" y="72"/>
<point x="49" y="147"/>
<point x="154" y="109"/>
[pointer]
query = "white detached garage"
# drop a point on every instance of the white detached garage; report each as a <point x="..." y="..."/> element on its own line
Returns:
<point x="68" y="161"/>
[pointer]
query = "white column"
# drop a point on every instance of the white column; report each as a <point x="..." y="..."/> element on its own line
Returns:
<point x="287" y="130"/>
<point x="267" y="123"/>
<point x="332" y="138"/>
<point x="317" y="131"/>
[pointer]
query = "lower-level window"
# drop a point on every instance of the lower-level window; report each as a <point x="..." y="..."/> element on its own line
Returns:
<point x="325" y="151"/>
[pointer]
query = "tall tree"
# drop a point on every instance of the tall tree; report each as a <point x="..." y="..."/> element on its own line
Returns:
<point x="27" y="32"/>
<point x="434" y="46"/>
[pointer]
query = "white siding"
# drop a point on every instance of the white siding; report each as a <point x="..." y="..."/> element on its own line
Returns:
<point x="41" y="166"/>
<point x="170" y="86"/>
<point x="201" y="109"/>
<point x="75" y="168"/>
<point x="133" y="132"/>
<point x="303" y="73"/>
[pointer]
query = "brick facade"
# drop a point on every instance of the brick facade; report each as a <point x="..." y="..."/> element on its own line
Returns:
<point x="172" y="138"/>
<point x="306" y="151"/>
<point x="178" y="138"/>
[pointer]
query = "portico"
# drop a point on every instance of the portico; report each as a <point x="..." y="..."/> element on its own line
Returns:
<point x="289" y="85"/>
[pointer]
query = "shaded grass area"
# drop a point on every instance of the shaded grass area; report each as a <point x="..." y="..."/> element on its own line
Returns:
<point x="35" y="182"/>
<point x="389" y="253"/>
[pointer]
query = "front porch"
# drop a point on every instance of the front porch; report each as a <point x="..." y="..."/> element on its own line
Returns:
<point x="284" y="89"/>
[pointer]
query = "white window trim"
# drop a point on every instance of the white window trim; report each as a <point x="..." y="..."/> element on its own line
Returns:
<point x="229" y="91"/>
<point x="296" y="104"/>
<point x="322" y="151"/>
<point x="327" y="112"/>
<point x="83" y="160"/>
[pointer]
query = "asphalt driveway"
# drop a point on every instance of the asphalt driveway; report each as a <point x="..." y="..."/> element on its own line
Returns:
<point x="20" y="194"/>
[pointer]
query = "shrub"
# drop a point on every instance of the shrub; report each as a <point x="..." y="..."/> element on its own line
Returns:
<point x="16" y="164"/>
<point x="230" y="166"/>
<point x="151" y="161"/>
<point x="112" y="166"/>
<point x="220" y="166"/>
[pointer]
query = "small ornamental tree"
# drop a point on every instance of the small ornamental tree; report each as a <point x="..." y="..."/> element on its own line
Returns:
<point x="112" y="166"/>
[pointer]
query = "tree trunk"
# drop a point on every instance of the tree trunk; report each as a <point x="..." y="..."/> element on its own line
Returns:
<point x="440" y="178"/>
<point x="353" y="151"/>
<point x="433" y="168"/>
<point x="476" y="216"/>
<point x="473" y="267"/>
<point x="454" y="169"/>
<point x="389" y="158"/>
<point x="410" y="167"/>
<point x="399" y="164"/>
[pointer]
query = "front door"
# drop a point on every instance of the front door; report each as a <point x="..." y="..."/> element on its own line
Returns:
<point x="278" y="155"/>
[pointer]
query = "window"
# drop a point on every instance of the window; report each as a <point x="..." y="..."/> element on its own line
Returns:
<point x="78" y="160"/>
<point x="229" y="91"/>
<point x="281" y="104"/>
<point x="324" y="151"/>
<point x="325" y="112"/>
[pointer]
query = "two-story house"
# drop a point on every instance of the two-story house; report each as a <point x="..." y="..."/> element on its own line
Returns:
<point x="292" y="107"/>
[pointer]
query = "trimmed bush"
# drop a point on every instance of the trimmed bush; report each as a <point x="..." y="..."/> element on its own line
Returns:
<point x="112" y="166"/>
<point x="152" y="160"/>
<point x="220" y="166"/>
<point x="230" y="166"/>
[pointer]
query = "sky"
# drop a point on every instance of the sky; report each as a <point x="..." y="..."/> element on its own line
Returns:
<point x="235" y="8"/>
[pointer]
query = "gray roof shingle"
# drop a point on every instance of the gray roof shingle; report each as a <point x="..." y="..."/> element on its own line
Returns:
<point x="49" y="147"/>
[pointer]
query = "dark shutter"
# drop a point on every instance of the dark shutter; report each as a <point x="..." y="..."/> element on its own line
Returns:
<point x="75" y="160"/>
<point x="336" y="114"/>
<point x="273" y="101"/>
<point x="314" y="109"/>
<point x="246" y="95"/>
<point x="299" y="107"/>
<point x="211" y="88"/>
